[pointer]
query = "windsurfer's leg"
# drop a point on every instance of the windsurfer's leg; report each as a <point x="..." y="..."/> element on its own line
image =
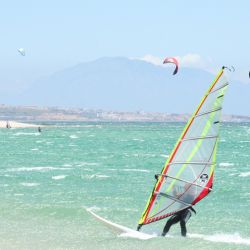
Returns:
<point x="173" y="220"/>
<point x="185" y="216"/>
<point x="183" y="228"/>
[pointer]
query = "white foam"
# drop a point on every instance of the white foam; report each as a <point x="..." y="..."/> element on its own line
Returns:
<point x="226" y="164"/>
<point x="138" y="235"/>
<point x="88" y="169"/>
<point x="58" y="177"/>
<point x="34" y="149"/>
<point x="135" y="170"/>
<point x="244" y="174"/>
<point x="39" y="169"/>
<point x="225" y="238"/>
<point x="73" y="136"/>
<point x="23" y="133"/>
<point x="102" y="176"/>
<point x="4" y="185"/>
<point x="136" y="139"/>
<point x="30" y="184"/>
<point x="98" y="176"/>
<point x="67" y="165"/>
<point x="164" y="156"/>
<point x="87" y="164"/>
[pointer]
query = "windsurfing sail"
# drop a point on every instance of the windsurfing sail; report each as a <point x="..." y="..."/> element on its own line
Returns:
<point x="187" y="176"/>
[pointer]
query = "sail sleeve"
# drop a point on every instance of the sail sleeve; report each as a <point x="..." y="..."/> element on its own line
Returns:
<point x="187" y="175"/>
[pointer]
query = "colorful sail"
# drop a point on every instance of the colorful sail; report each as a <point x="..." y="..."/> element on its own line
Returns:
<point x="187" y="176"/>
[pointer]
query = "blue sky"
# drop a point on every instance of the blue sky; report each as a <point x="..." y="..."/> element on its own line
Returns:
<point x="59" y="34"/>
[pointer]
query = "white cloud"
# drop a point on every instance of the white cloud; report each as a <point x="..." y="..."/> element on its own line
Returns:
<point x="152" y="59"/>
<point x="190" y="61"/>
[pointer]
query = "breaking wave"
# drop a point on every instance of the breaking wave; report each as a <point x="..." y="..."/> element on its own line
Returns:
<point x="225" y="238"/>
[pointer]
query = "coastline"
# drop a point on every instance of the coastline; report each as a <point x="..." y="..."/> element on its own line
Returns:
<point x="14" y="124"/>
<point x="34" y="114"/>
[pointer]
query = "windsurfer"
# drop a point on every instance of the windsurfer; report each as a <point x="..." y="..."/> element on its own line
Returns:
<point x="183" y="215"/>
<point x="8" y="124"/>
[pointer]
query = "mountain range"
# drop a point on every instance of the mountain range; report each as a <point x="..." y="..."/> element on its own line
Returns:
<point x="123" y="84"/>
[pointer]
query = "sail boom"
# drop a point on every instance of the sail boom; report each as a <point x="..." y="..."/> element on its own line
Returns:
<point x="188" y="182"/>
<point x="200" y="138"/>
<point x="173" y="198"/>
<point x="208" y="112"/>
<point x="192" y="163"/>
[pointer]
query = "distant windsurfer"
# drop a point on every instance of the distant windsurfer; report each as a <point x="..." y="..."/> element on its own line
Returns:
<point x="182" y="216"/>
<point x="39" y="129"/>
<point x="8" y="124"/>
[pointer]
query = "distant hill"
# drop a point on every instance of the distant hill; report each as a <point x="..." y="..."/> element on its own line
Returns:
<point x="122" y="84"/>
<point x="55" y="114"/>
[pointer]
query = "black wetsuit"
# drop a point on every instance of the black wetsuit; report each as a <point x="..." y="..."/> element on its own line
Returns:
<point x="182" y="217"/>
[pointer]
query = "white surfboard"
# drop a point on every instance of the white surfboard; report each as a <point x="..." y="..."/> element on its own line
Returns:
<point x="119" y="229"/>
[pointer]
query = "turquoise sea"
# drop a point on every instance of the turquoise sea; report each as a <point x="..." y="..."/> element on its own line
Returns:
<point x="48" y="180"/>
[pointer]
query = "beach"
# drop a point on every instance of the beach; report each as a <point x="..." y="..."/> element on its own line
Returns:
<point x="15" y="124"/>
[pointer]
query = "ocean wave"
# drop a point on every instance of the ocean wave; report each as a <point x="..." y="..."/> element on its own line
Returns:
<point x="38" y="169"/>
<point x="135" y="170"/>
<point x="225" y="238"/>
<point x="86" y="126"/>
<point x="34" y="149"/>
<point x="88" y="169"/>
<point x="226" y="164"/>
<point x="29" y="184"/>
<point x="58" y="177"/>
<point x="244" y="174"/>
<point x="136" y="139"/>
<point x="67" y="165"/>
<point x="138" y="235"/>
<point x="26" y="133"/>
<point x="73" y="136"/>
<point x="165" y="156"/>
<point x="96" y="176"/>
<point x="87" y="164"/>
<point x="4" y="185"/>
